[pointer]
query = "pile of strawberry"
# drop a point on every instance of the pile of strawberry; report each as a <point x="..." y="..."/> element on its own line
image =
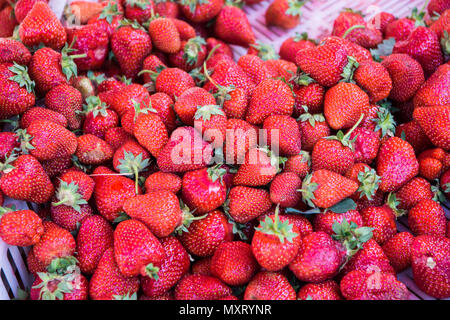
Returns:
<point x="96" y="116"/>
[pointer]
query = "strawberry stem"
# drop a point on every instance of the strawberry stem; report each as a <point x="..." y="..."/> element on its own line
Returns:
<point x="358" y="26"/>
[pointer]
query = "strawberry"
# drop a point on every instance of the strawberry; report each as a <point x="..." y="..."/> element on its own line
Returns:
<point x="25" y="179"/>
<point x="204" y="236"/>
<point x="137" y="250"/>
<point x="284" y="13"/>
<point x="191" y="55"/>
<point x="399" y="29"/>
<point x="327" y="290"/>
<point x="313" y="128"/>
<point x="308" y="94"/>
<point x="283" y="189"/>
<point x="255" y="68"/>
<point x="14" y="51"/>
<point x="138" y="10"/>
<point x="276" y="242"/>
<point x="82" y="11"/>
<point x="212" y="122"/>
<point x="188" y="102"/>
<point x="56" y="166"/>
<point x="7" y="21"/>
<point x="437" y="6"/>
<point x="283" y="133"/>
<point x="414" y="135"/>
<point x="160" y="181"/>
<point x="240" y="138"/>
<point x="131" y="45"/>
<point x="430" y="168"/>
<point x="427" y="217"/>
<point x="116" y="137"/>
<point x="109" y="17"/>
<point x="201" y="287"/>
<point x="412" y="192"/>
<point x="98" y="118"/>
<point x="49" y="286"/>
<point x="234" y="263"/>
<point x="396" y="164"/>
<point x="8" y="142"/>
<point x="107" y="280"/>
<point x="375" y="285"/>
<point x="165" y="35"/>
<point x="423" y="45"/>
<point x="201" y="11"/>
<point x="324" y="221"/>
<point x="232" y="26"/>
<point x="34" y="265"/>
<point x="66" y="100"/>
<point x="196" y="153"/>
<point x="202" y="266"/>
<point x="95" y="236"/>
<point x="168" y="76"/>
<point x="42" y="26"/>
<point x="247" y="203"/>
<point x="93" y="150"/>
<point x="381" y="20"/>
<point x="69" y="218"/>
<point x="258" y="169"/>
<point x="406" y="74"/>
<point x="352" y="49"/>
<point x="269" y="286"/>
<point x="373" y="78"/>
<point x="431" y="93"/>
<point x="429" y="260"/>
<point x="398" y="250"/>
<point x="159" y="211"/>
<point x="440" y="26"/>
<point x="14" y="78"/>
<point x="123" y="99"/>
<point x="290" y="46"/>
<point x="167" y="8"/>
<point x="324" y="64"/>
<point x="56" y="242"/>
<point x="155" y="138"/>
<point x="20" y="228"/>
<point x="299" y="164"/>
<point x="91" y="41"/>
<point x="435" y="121"/>
<point x="174" y="266"/>
<point x="216" y="46"/>
<point x="271" y="97"/>
<point x="42" y="114"/>
<point x="319" y="258"/>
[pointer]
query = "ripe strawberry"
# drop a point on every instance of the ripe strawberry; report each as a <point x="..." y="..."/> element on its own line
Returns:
<point x="429" y="259"/>
<point x="137" y="250"/>
<point x="111" y="191"/>
<point x="430" y="168"/>
<point x="168" y="77"/>
<point x="290" y="46"/>
<point x="435" y="121"/>
<point x="56" y="242"/>
<point x="201" y="11"/>
<point x="308" y="94"/>
<point x="107" y="280"/>
<point x="151" y="133"/>
<point x="233" y="27"/>
<point x="131" y="45"/>
<point x="165" y="35"/>
<point x="258" y="169"/>
<point x="373" y="78"/>
<point x="381" y="20"/>
<point x="313" y="128"/>
<point x="25" y="179"/>
<point x="271" y="97"/>
<point x="56" y="166"/>
<point x="82" y="11"/>
<point x="396" y="164"/>
<point x="201" y="287"/>
<point x="42" y="114"/>
<point x="299" y="164"/>
<point x="50" y="286"/>
<point x="324" y="188"/>
<point x="66" y="100"/>
<point x="20" y="228"/>
<point x="234" y="263"/>
<point x="256" y="68"/>
<point x="406" y="74"/>
<point x="188" y="102"/>
<point x="14" y="51"/>
<point x="42" y="26"/>
<point x="160" y="181"/>
<point x="413" y="134"/>
<point x="324" y="221"/>
<point x="412" y="192"/>
<point x="93" y="150"/>
<point x="283" y="189"/>
<point x="212" y="122"/>
<point x="440" y="26"/>
<point x="204" y="236"/>
<point x="174" y="266"/>
<point x="427" y="217"/>
<point x="98" y="118"/>
<point x="283" y="133"/>
<point x="69" y="218"/>
<point x="398" y="250"/>
<point x="8" y="142"/>
<point x="216" y="47"/>
<point x="95" y="236"/>
<point x="375" y="285"/>
<point x="423" y="45"/>
<point x="191" y="55"/>
<point x="14" y="78"/>
<point x="284" y="13"/>
<point x="8" y="21"/>
<point x="327" y="290"/>
<point x="399" y="29"/>
<point x="34" y="265"/>
<point x="352" y="49"/>
<point x="247" y="203"/>
<point x="123" y="99"/>
<point x="116" y="137"/>
<point x="318" y="258"/>
<point x="138" y="10"/>
<point x="431" y="93"/>
<point x="269" y="286"/>
<point x="109" y="18"/>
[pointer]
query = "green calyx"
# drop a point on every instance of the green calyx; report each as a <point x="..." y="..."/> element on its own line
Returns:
<point x="345" y="139"/>
<point x="121" y="216"/>
<point x="187" y="218"/>
<point x="83" y="167"/>
<point x="384" y="122"/>
<point x="342" y="206"/>
<point x="355" y="27"/>
<point x="141" y="108"/>
<point x="153" y="74"/>
<point x="282" y="230"/>
<point x="265" y="51"/>
<point x="133" y="165"/>
<point x="302" y="36"/>
<point x="237" y="227"/>
<point x="68" y="195"/>
<point x="131" y="23"/>
<point x="198" y="76"/>
<point x="301" y="78"/>
<point x="6" y="166"/>
<point x="54" y="286"/>
<point x="216" y="172"/>
<point x="438" y="195"/>
<point x="192" y="48"/>
<point x="295" y="7"/>
<point x="127" y="296"/>
<point x="96" y="106"/>
<point x="68" y="65"/>
<point x="349" y="70"/>
<point x="22" y="77"/>
<point x="24" y="141"/>
<point x="206" y="112"/>
<point x="96" y="78"/>
<point x="368" y="183"/>
<point x="445" y="43"/>
<point x="62" y="265"/>
<point x="418" y="17"/>
<point x="393" y="203"/>
<point x="351" y="236"/>
<point x="109" y="12"/>
<point x="306" y="157"/>
<point x="192" y="4"/>
<point x="151" y="271"/>
<point x="307" y="190"/>
<point x="384" y="49"/>
<point x="311" y="118"/>
<point x="141" y="4"/>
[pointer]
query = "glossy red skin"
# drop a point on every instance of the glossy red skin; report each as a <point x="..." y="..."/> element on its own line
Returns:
<point x="269" y="286"/>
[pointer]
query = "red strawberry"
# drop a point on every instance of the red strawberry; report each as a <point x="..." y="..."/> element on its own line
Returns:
<point x="42" y="26"/>
<point x="411" y="193"/>
<point x="107" y="282"/>
<point x="308" y="94"/>
<point x="201" y="11"/>
<point x="427" y="217"/>
<point x="232" y="26"/>
<point x="234" y="263"/>
<point x="95" y="236"/>
<point x="56" y="166"/>
<point x="255" y="67"/>
<point x="8" y="142"/>
<point x="227" y="73"/>
<point x="414" y="134"/>
<point x="109" y="18"/>
<point x="7" y="21"/>
<point x="116" y="137"/>
<point x="20" y="228"/>
<point x="247" y="203"/>
<point x="212" y="122"/>
<point x="283" y="189"/>
<point x="324" y="221"/>
<point x="98" y="118"/>
<point x="14" y="51"/>
<point x="354" y="50"/>
<point x="173" y="268"/>
<point x="25" y="179"/>
<point x="398" y="250"/>
<point x="431" y="93"/>
<point x="373" y="78"/>
<point x="437" y="6"/>
<point x="435" y="121"/>
<point x="138" y="10"/>
<point x="327" y="290"/>
<point x="93" y="150"/>
<point x="160" y="181"/>
<point x="34" y="265"/>
<point x="381" y="20"/>
<point x="165" y="35"/>
<point x="137" y="250"/>
<point x="284" y="13"/>
<point x="188" y="102"/>
<point x="218" y="46"/>
<point x="68" y="101"/>
<point x="399" y="29"/>
<point x="269" y="286"/>
<point x="258" y="169"/>
<point x="299" y="164"/>
<point x="121" y="99"/>
<point x="49" y="286"/>
<point x="166" y="79"/>
<point x="283" y="133"/>
<point x="42" y="114"/>
<point x="191" y="55"/>
<point x="290" y="47"/>
<point x="69" y="218"/>
<point x="82" y="10"/>
<point x="201" y="287"/>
